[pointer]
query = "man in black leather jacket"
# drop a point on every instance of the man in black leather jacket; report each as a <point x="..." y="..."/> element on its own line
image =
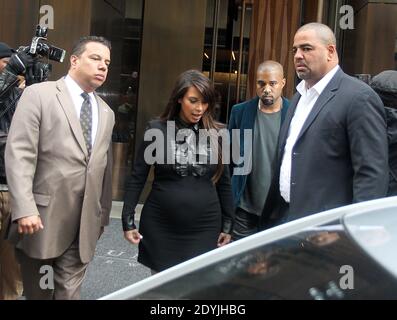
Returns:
<point x="11" y="66"/>
<point x="385" y="85"/>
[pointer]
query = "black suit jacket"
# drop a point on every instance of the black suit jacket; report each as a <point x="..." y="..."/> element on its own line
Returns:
<point x="341" y="154"/>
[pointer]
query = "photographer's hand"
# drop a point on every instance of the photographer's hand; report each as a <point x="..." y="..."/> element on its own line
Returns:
<point x="19" y="62"/>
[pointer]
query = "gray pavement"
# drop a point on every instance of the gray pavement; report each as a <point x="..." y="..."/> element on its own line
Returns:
<point x="115" y="263"/>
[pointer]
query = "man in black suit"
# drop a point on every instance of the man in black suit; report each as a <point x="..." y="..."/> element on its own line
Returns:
<point x="333" y="144"/>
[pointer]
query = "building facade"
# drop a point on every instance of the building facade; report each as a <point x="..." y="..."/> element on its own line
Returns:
<point x="154" y="41"/>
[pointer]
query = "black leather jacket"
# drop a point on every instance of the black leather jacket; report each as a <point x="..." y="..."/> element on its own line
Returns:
<point x="9" y="96"/>
<point x="182" y="167"/>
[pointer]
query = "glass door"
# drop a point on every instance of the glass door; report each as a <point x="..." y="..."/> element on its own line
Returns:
<point x="121" y="88"/>
<point x="225" y="58"/>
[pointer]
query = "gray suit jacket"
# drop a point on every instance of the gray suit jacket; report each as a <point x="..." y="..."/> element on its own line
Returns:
<point x="341" y="154"/>
<point x="48" y="172"/>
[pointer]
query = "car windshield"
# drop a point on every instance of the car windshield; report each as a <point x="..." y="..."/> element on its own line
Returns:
<point x="308" y="265"/>
<point x="376" y="234"/>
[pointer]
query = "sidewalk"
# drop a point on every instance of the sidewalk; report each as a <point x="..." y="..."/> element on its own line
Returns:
<point x="115" y="264"/>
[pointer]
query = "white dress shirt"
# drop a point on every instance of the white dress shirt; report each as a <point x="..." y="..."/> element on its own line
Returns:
<point x="75" y="93"/>
<point x="305" y="105"/>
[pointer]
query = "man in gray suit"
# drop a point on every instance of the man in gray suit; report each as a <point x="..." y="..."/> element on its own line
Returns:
<point x="58" y="168"/>
<point x="333" y="144"/>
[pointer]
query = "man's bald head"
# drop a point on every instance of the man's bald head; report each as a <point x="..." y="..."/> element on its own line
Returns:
<point x="271" y="65"/>
<point x="324" y="33"/>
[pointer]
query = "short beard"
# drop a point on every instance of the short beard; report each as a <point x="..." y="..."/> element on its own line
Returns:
<point x="267" y="102"/>
<point x="303" y="75"/>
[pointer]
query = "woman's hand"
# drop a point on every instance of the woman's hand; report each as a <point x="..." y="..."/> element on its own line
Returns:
<point x="223" y="239"/>
<point x="133" y="236"/>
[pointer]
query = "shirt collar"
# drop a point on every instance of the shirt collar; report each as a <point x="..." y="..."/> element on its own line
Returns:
<point x="75" y="88"/>
<point x="319" y="86"/>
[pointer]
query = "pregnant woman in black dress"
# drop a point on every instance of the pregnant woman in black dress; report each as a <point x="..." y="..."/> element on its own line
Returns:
<point x="189" y="209"/>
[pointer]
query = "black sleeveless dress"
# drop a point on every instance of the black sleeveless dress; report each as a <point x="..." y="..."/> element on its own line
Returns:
<point x="184" y="212"/>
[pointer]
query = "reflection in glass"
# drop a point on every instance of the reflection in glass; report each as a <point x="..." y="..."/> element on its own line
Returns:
<point x="228" y="52"/>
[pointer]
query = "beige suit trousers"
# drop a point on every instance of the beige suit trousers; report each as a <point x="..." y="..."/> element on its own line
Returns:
<point x="53" y="279"/>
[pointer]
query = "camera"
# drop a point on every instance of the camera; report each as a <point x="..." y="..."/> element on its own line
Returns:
<point x="40" y="47"/>
<point x="39" y="72"/>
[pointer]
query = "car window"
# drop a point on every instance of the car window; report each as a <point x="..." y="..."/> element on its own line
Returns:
<point x="313" y="264"/>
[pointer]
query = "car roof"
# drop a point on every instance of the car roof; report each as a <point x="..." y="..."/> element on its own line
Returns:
<point x="376" y="234"/>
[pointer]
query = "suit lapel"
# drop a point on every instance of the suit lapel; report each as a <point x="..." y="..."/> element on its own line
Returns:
<point x="249" y="114"/>
<point x="323" y="99"/>
<point x="248" y="122"/>
<point x="102" y="116"/>
<point x="286" y="124"/>
<point x="70" y="112"/>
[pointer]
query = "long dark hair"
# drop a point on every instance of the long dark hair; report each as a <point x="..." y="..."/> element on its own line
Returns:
<point x="194" y="78"/>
